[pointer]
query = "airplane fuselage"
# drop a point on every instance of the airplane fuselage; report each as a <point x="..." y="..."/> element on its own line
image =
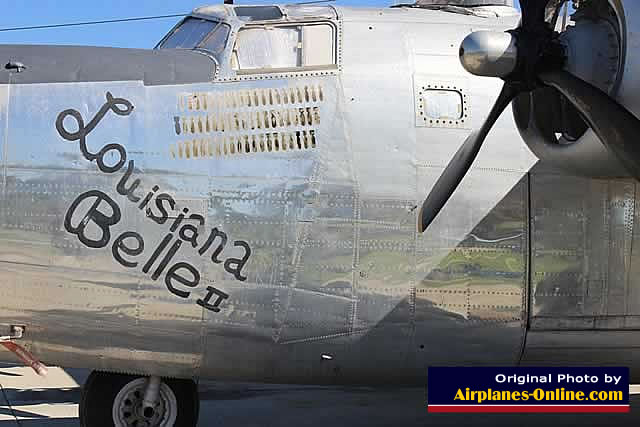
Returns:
<point x="203" y="221"/>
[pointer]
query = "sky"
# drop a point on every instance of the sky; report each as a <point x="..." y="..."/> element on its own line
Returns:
<point x="140" y="34"/>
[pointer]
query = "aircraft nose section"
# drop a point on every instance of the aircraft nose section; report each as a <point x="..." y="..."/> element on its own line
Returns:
<point x="489" y="53"/>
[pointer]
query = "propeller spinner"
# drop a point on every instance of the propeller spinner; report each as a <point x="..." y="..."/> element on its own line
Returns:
<point x="526" y="58"/>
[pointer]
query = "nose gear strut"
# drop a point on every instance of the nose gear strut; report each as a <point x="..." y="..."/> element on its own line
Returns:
<point x="22" y="353"/>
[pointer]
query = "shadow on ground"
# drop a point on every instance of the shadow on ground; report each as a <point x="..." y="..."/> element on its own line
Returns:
<point x="260" y="405"/>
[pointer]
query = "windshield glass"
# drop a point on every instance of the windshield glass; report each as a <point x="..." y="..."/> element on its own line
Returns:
<point x="217" y="39"/>
<point x="196" y="32"/>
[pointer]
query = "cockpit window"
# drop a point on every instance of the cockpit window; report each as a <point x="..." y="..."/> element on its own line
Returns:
<point x="268" y="48"/>
<point x="196" y="32"/>
<point x="217" y="39"/>
<point x="189" y="34"/>
<point x="273" y="48"/>
<point x="258" y="13"/>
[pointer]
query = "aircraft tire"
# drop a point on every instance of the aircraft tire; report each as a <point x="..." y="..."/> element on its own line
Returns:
<point x="101" y="389"/>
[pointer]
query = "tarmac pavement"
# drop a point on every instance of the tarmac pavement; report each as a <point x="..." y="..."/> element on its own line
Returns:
<point x="30" y="401"/>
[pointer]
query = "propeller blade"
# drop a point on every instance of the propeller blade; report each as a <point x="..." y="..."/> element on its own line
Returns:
<point x="532" y="12"/>
<point x="461" y="162"/>
<point x="617" y="128"/>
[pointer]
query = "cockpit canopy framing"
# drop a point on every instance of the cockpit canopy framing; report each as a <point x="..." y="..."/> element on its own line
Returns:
<point x="260" y="39"/>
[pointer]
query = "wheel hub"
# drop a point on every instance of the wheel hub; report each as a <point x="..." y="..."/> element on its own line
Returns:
<point x="128" y="410"/>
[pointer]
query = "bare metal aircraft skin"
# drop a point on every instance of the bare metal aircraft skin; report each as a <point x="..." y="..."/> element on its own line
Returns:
<point x="191" y="213"/>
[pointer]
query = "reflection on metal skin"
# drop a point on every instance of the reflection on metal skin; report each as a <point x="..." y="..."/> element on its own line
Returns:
<point x="339" y="286"/>
<point x="489" y="53"/>
<point x="336" y="267"/>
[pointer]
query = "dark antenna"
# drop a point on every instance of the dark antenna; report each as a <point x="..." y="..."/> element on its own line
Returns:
<point x="108" y="21"/>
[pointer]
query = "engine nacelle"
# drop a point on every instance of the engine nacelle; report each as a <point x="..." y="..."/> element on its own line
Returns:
<point x="601" y="49"/>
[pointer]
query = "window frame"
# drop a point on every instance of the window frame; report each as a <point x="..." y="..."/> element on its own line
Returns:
<point x="302" y="69"/>
<point x="201" y="42"/>
<point x="226" y="39"/>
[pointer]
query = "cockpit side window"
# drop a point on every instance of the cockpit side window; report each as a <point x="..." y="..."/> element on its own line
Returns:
<point x="217" y="39"/>
<point x="188" y="34"/>
<point x="198" y="33"/>
<point x="284" y="47"/>
<point x="275" y="47"/>
<point x="318" y="45"/>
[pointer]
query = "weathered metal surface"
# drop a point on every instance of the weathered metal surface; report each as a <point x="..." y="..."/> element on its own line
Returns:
<point x="278" y="218"/>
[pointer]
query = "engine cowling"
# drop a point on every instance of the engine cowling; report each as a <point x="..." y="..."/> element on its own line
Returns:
<point x="601" y="49"/>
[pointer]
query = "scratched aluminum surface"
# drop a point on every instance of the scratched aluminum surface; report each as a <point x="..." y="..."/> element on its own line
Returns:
<point x="583" y="259"/>
<point x="302" y="193"/>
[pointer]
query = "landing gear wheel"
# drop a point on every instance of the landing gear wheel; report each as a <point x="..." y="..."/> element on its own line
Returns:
<point x="115" y="400"/>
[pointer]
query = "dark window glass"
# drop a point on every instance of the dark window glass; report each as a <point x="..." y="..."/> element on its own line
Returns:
<point x="216" y="41"/>
<point x="189" y="34"/>
<point x="258" y="13"/>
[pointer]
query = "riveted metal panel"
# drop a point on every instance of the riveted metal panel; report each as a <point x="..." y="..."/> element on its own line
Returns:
<point x="621" y="207"/>
<point x="582" y="253"/>
<point x="12" y="307"/>
<point x="324" y="266"/>
<point x="633" y="299"/>
<point x="296" y="211"/>
<point x="427" y="83"/>
<point x="80" y="295"/>
<point x="471" y="274"/>
<point x="385" y="259"/>
<point x="558" y="244"/>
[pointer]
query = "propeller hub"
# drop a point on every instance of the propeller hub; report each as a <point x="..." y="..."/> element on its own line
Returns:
<point x="489" y="53"/>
